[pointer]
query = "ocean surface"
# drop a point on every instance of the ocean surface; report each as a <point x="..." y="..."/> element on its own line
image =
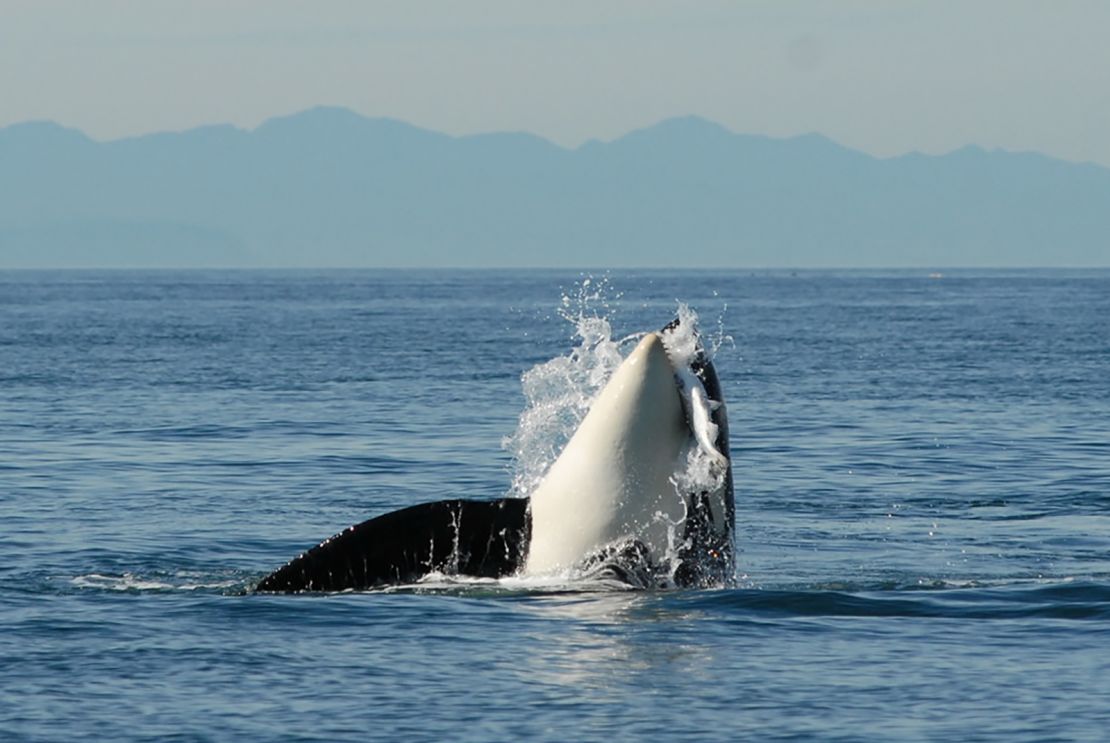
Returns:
<point x="922" y="469"/>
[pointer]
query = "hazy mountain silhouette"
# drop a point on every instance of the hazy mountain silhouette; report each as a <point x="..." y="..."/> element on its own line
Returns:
<point x="328" y="187"/>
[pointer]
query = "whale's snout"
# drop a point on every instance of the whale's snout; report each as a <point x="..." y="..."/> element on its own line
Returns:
<point x="651" y="351"/>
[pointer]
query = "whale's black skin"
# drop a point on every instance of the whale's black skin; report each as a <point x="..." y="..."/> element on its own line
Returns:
<point x="490" y="539"/>
<point x="486" y="539"/>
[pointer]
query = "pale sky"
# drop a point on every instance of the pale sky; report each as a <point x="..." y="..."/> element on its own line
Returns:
<point x="884" y="77"/>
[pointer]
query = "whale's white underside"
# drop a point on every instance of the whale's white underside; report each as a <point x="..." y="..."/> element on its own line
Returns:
<point x="614" y="479"/>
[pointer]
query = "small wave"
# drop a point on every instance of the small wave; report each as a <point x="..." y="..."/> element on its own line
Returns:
<point x="1052" y="599"/>
<point x="137" y="583"/>
<point x="199" y="431"/>
<point x="1064" y="599"/>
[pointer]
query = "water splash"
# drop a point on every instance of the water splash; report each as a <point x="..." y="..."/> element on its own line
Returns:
<point x="558" y="393"/>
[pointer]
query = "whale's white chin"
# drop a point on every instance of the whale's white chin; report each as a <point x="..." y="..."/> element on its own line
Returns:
<point x="613" y="481"/>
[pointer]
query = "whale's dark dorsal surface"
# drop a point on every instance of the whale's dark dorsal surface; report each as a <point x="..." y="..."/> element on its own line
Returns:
<point x="485" y="539"/>
<point x="591" y="515"/>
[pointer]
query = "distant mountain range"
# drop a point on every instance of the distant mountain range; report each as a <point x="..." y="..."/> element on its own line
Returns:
<point x="328" y="187"/>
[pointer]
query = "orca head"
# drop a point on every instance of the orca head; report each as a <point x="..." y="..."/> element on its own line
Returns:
<point x="619" y="480"/>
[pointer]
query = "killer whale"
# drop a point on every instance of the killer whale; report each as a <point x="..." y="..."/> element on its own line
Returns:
<point x="609" y="504"/>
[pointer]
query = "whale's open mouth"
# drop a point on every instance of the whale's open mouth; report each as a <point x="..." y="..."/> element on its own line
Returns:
<point x="641" y="493"/>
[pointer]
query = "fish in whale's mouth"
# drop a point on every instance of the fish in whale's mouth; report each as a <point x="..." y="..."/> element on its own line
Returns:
<point x="642" y="494"/>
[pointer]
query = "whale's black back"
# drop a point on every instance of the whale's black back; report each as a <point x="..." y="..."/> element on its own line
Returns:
<point x="487" y="539"/>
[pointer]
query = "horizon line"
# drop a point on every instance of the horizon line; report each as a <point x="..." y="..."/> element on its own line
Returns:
<point x="935" y="272"/>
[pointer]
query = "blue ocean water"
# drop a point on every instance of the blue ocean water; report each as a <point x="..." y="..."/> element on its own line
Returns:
<point x="922" y="467"/>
